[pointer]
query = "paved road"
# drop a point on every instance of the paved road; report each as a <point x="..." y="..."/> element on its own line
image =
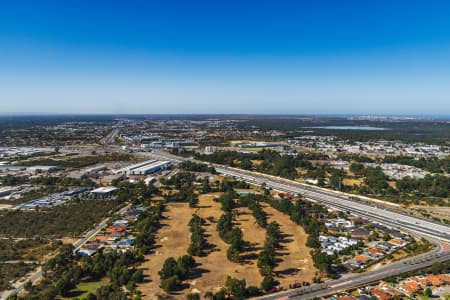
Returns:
<point x="355" y="280"/>
<point x="77" y="245"/>
<point x="27" y="262"/>
<point x="338" y="200"/>
<point x="109" y="139"/>
<point x="395" y="219"/>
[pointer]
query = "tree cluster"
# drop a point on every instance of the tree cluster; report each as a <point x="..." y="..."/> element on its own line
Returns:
<point x="234" y="289"/>
<point x="174" y="272"/>
<point x="196" y="167"/>
<point x="146" y="226"/>
<point x="138" y="193"/>
<point x="251" y="201"/>
<point x="303" y="213"/>
<point x="198" y="240"/>
<point x="272" y="162"/>
<point x="64" y="271"/>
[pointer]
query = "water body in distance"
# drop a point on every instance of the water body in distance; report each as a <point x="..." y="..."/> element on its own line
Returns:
<point x="350" y="127"/>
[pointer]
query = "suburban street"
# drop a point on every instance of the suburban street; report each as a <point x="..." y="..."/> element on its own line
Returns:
<point x="77" y="245"/>
<point x="335" y="286"/>
<point x="433" y="231"/>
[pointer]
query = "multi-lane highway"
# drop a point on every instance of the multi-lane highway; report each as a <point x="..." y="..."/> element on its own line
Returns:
<point x="395" y="219"/>
<point x="338" y="200"/>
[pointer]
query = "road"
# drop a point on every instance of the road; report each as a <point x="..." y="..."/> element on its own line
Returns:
<point x="391" y="218"/>
<point x="77" y="245"/>
<point x="346" y="202"/>
<point x="355" y="280"/>
<point x="109" y="139"/>
<point x="433" y="231"/>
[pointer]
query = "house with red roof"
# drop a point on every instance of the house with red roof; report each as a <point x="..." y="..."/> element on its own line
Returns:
<point x="410" y="288"/>
<point x="380" y="294"/>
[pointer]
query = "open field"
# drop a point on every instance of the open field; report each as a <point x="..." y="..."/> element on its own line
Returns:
<point x="295" y="263"/>
<point x="434" y="211"/>
<point x="216" y="262"/>
<point x="172" y="241"/>
<point x="352" y="181"/>
<point x="213" y="267"/>
<point x="84" y="288"/>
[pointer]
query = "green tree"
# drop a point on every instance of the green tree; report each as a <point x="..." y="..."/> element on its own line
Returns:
<point x="235" y="287"/>
<point x="170" y="284"/>
<point x="267" y="283"/>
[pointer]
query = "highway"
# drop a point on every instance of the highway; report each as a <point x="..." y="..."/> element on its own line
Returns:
<point x="110" y="137"/>
<point x="384" y="216"/>
<point x="77" y="245"/>
<point x="345" y="202"/>
<point x="433" y="231"/>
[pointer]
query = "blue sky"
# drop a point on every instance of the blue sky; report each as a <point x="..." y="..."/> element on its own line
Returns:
<point x="269" y="57"/>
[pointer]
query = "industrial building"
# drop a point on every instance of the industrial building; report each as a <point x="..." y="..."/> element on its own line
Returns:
<point x="103" y="192"/>
<point x="42" y="169"/>
<point x="53" y="199"/>
<point x="146" y="167"/>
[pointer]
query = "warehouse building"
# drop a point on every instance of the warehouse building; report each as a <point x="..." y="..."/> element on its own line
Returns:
<point x="150" y="168"/>
<point x="146" y="167"/>
<point x="105" y="192"/>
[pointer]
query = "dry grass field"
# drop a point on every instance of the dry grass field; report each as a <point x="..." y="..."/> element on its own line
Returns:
<point x="352" y="181"/>
<point x="295" y="263"/>
<point x="216" y="263"/>
<point x="173" y="238"/>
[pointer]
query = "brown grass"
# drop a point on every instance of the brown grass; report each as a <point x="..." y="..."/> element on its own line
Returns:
<point x="295" y="263"/>
<point x="172" y="241"/>
<point x="213" y="268"/>
<point x="216" y="262"/>
<point x="352" y="181"/>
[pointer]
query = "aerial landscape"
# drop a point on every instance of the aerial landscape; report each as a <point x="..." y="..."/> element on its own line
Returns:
<point x="210" y="150"/>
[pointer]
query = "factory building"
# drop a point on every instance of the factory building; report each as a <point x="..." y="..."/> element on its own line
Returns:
<point x="105" y="192"/>
<point x="150" y="168"/>
<point x="146" y="167"/>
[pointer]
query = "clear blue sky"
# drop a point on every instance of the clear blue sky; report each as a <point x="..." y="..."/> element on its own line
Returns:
<point x="270" y="57"/>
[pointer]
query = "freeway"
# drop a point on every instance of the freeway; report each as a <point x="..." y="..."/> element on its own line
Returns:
<point x="337" y="200"/>
<point x="77" y="245"/>
<point x="109" y="138"/>
<point x="433" y="231"/>
<point x="391" y="218"/>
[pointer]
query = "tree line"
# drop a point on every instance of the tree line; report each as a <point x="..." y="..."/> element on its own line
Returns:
<point x="227" y="231"/>
<point x="198" y="239"/>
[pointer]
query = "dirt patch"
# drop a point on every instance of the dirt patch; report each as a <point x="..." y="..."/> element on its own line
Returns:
<point x="215" y="265"/>
<point x="295" y="264"/>
<point x="172" y="240"/>
<point x="352" y="181"/>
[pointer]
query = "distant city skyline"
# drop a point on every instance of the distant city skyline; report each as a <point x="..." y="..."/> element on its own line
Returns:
<point x="203" y="57"/>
